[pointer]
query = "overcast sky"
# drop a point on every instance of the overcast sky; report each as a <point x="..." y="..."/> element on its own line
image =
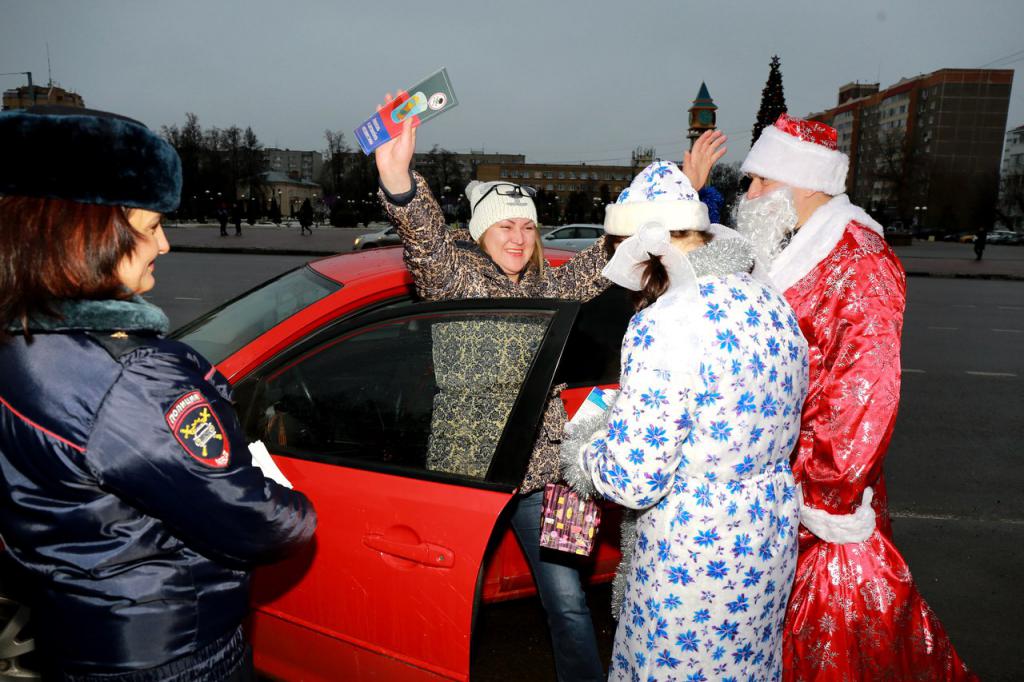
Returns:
<point x="562" y="80"/>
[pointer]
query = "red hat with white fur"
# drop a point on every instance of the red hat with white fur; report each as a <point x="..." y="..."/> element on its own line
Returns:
<point x="801" y="154"/>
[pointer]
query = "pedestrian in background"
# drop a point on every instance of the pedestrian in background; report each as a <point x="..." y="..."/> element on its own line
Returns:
<point x="130" y="509"/>
<point x="236" y="218"/>
<point x="980" y="239"/>
<point x="222" y="218"/>
<point x="306" y="217"/>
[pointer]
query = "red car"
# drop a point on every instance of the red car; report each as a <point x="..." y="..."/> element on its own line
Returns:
<point x="334" y="370"/>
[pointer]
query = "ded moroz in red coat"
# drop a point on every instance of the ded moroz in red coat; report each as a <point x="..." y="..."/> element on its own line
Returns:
<point x="855" y="612"/>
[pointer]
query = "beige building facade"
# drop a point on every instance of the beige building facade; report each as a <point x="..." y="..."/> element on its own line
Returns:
<point x="289" y="192"/>
<point x="294" y="163"/>
<point x="561" y="179"/>
<point x="34" y="95"/>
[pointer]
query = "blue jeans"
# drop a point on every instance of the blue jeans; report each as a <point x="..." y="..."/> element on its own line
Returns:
<point x="561" y="594"/>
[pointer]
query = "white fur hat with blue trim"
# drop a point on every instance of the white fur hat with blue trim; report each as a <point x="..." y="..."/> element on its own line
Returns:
<point x="660" y="194"/>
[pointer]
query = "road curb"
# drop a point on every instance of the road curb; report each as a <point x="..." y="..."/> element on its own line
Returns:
<point x="1006" y="277"/>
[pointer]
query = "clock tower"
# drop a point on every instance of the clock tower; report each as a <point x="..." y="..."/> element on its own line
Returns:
<point x="702" y="114"/>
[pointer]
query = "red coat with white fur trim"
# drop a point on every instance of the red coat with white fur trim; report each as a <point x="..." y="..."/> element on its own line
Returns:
<point x="854" y="612"/>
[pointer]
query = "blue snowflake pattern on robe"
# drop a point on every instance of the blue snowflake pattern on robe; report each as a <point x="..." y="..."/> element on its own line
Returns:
<point x="715" y="312"/>
<point x="702" y="450"/>
<point x="617" y="431"/>
<point x="642" y="338"/>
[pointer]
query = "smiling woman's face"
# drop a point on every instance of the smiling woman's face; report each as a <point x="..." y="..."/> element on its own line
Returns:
<point x="136" y="269"/>
<point x="510" y="243"/>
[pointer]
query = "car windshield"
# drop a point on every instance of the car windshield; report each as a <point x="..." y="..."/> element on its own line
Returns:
<point x="224" y="330"/>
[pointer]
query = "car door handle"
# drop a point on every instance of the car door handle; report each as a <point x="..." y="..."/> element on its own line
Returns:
<point x="422" y="553"/>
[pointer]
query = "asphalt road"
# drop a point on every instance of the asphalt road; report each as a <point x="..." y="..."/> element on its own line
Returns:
<point x="955" y="468"/>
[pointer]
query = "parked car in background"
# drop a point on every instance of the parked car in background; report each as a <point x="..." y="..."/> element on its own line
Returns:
<point x="372" y="240"/>
<point x="1005" y="237"/>
<point x="898" y="235"/>
<point x="930" y="234"/>
<point x="575" y="237"/>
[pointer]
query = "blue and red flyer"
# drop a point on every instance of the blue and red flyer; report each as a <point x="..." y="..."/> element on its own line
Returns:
<point x="425" y="100"/>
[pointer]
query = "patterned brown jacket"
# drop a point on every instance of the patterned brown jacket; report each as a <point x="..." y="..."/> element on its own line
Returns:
<point x="444" y="268"/>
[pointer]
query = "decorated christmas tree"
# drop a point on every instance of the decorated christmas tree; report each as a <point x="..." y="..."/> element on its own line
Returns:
<point x="773" y="101"/>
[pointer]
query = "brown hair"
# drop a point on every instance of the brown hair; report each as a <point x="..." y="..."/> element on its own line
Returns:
<point x="537" y="259"/>
<point x="655" y="277"/>
<point x="53" y="249"/>
<point x="611" y="242"/>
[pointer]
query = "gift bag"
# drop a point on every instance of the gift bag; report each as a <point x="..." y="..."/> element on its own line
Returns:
<point x="568" y="523"/>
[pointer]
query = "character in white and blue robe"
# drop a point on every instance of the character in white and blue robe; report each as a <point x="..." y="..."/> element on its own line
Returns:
<point x="714" y="373"/>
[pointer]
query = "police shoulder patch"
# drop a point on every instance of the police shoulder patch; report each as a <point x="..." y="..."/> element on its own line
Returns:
<point x="196" y="427"/>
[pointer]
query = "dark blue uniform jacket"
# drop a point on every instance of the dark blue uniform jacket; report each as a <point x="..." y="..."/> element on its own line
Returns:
<point x="127" y="492"/>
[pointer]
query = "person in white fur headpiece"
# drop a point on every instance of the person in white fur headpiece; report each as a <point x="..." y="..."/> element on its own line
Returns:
<point x="848" y="289"/>
<point x="697" y="440"/>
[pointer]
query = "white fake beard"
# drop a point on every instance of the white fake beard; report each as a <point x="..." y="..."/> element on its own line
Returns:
<point x="766" y="220"/>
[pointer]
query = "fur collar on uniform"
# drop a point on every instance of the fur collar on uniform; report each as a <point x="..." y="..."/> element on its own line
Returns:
<point x="131" y="315"/>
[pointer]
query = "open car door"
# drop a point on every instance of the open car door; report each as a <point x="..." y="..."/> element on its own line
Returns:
<point x="409" y="429"/>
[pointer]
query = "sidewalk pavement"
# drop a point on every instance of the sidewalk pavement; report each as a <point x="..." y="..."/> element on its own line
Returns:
<point x="266" y="239"/>
<point x="921" y="259"/>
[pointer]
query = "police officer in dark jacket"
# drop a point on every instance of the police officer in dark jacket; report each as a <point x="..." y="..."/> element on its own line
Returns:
<point x="129" y="503"/>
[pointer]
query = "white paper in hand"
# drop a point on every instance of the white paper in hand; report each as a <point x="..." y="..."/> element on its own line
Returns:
<point x="597" y="402"/>
<point x="261" y="458"/>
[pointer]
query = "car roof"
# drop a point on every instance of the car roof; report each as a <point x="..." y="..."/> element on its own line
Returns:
<point x="386" y="262"/>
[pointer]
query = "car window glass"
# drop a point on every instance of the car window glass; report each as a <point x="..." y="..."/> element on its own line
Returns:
<point x="427" y="391"/>
<point x="587" y="232"/>
<point x="224" y="330"/>
<point x="591" y="355"/>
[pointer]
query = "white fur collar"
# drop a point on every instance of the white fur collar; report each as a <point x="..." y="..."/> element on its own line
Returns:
<point x="816" y="239"/>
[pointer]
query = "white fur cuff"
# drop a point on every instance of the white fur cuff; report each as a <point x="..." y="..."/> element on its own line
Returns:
<point x="626" y="219"/>
<point x="840" y="529"/>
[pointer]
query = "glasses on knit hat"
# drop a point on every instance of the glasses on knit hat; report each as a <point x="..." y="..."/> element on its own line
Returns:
<point x="492" y="202"/>
<point x="508" y="190"/>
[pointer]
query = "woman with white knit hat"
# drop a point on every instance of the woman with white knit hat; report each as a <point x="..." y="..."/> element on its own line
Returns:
<point x="505" y="260"/>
